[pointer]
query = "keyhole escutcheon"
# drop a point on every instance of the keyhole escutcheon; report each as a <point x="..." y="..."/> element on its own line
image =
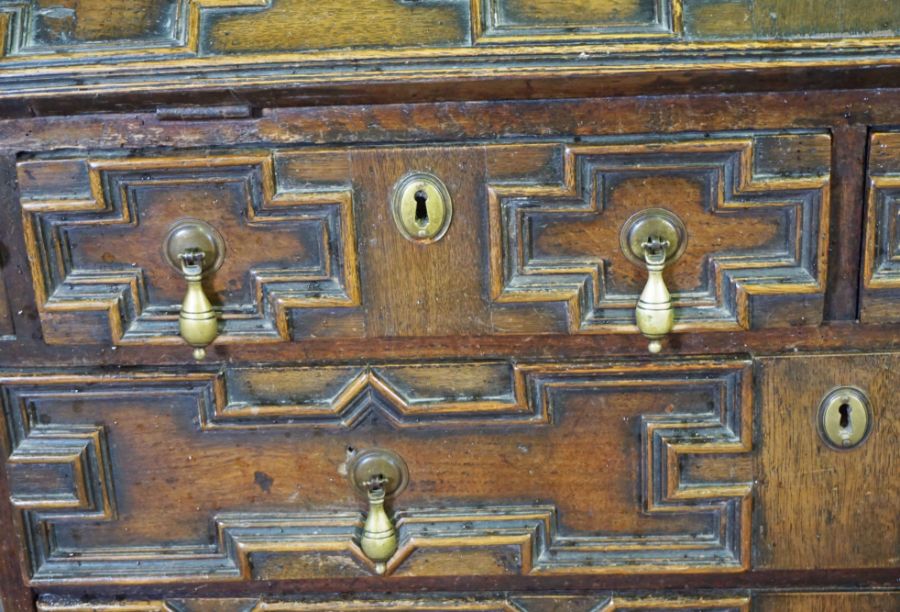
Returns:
<point x="421" y="207"/>
<point x="845" y="418"/>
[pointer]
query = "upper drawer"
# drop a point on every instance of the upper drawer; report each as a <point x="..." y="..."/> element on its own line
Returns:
<point x="310" y="42"/>
<point x="311" y="248"/>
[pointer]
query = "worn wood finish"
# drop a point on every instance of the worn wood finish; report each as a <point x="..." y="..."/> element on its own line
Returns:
<point x="434" y="123"/>
<point x="50" y="49"/>
<point x="826" y="602"/>
<point x="847" y="210"/>
<point x="503" y="603"/>
<point x="554" y="464"/>
<point x="543" y="219"/>
<point x="881" y="255"/>
<point x="14" y="595"/>
<point x="217" y="478"/>
<point x="600" y="602"/>
<point x="817" y="507"/>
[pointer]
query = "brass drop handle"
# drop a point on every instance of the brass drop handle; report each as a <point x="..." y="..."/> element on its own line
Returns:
<point x="198" y="323"/>
<point x="654" y="313"/>
<point x="379" y="537"/>
<point x="195" y="249"/>
<point x="379" y="475"/>
<point x="654" y="238"/>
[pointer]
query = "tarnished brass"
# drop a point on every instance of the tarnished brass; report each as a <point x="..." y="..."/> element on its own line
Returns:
<point x="845" y="418"/>
<point x="197" y="321"/>
<point x="655" y="238"/>
<point x="193" y="234"/>
<point x="198" y="249"/>
<point x="653" y="223"/>
<point x="379" y="475"/>
<point x="379" y="537"/>
<point x="422" y="207"/>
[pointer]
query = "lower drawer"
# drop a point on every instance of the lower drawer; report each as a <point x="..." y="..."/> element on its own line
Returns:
<point x="497" y="470"/>
<point x="601" y="602"/>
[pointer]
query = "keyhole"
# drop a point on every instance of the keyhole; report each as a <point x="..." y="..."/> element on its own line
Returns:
<point x="845" y="421"/>
<point x="421" y="208"/>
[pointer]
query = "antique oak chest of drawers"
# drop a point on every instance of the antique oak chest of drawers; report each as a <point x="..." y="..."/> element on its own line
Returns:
<point x="520" y="305"/>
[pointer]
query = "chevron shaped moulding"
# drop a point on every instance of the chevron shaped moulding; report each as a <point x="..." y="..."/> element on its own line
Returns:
<point x="284" y="505"/>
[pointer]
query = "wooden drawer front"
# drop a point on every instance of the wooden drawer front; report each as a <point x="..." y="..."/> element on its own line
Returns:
<point x="817" y="507"/>
<point x="515" y="470"/>
<point x="312" y="249"/>
<point x="881" y="256"/>
<point x="192" y="38"/>
<point x="601" y="602"/>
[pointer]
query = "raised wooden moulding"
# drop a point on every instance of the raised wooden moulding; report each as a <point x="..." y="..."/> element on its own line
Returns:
<point x="46" y="50"/>
<point x="881" y="250"/>
<point x="312" y="249"/>
<point x="95" y="230"/>
<point x="862" y="601"/>
<point x="601" y="602"/>
<point x="515" y="470"/>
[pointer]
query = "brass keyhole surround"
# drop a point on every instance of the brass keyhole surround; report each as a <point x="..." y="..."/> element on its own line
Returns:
<point x="421" y="207"/>
<point x="845" y="418"/>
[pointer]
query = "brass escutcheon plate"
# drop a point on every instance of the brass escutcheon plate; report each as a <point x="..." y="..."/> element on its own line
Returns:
<point x="194" y="234"/>
<point x="845" y="418"/>
<point x="364" y="465"/>
<point x="421" y="207"/>
<point x="652" y="222"/>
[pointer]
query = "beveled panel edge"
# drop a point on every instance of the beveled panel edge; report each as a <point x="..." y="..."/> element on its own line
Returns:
<point x="543" y="551"/>
<point x="599" y="602"/>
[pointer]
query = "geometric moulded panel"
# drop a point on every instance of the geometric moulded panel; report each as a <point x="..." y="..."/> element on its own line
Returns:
<point x="756" y="222"/>
<point x="95" y="226"/>
<point x="604" y="468"/>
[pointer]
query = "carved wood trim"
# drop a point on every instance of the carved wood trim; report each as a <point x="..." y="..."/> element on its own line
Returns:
<point x="61" y="287"/>
<point x="798" y="268"/>
<point x="532" y="531"/>
<point x="183" y="39"/>
<point x="881" y="260"/>
<point x="488" y="28"/>
<point x="481" y="603"/>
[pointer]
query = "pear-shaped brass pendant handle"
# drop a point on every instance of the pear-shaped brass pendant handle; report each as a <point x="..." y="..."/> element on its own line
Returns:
<point x="195" y="249"/>
<point x="654" y="314"/>
<point x="379" y="475"/>
<point x="197" y="321"/>
<point x="379" y="537"/>
<point x="654" y="238"/>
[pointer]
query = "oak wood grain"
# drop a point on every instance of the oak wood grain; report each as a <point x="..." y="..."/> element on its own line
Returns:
<point x="821" y="508"/>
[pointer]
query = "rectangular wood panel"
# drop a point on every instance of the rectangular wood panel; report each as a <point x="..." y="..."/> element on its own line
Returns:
<point x="881" y="251"/>
<point x="818" y="507"/>
<point x="515" y="470"/>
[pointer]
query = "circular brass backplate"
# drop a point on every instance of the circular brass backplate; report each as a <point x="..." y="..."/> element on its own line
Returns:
<point x="367" y="464"/>
<point x="421" y="207"/>
<point x="189" y="234"/>
<point x="652" y="222"/>
<point x="845" y="418"/>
